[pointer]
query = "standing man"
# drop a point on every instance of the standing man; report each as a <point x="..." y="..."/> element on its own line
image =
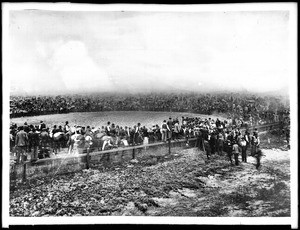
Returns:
<point x="33" y="137"/>
<point x="212" y="142"/>
<point x="42" y="126"/>
<point x="176" y="131"/>
<point x="207" y="148"/>
<point x="247" y="139"/>
<point x="44" y="137"/>
<point x="287" y="137"/>
<point x="258" y="156"/>
<point x="236" y="152"/>
<point x="229" y="150"/>
<point x="107" y="128"/>
<point x="127" y="133"/>
<point x="244" y="149"/>
<point x="220" y="144"/>
<point x="66" y="127"/>
<point x="170" y="127"/>
<point x="137" y="136"/>
<point x="21" y="144"/>
<point x="164" y="129"/>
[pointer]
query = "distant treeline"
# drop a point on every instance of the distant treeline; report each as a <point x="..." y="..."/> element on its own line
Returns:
<point x="242" y="105"/>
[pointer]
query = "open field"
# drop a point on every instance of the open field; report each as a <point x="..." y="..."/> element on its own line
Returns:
<point x="98" y="119"/>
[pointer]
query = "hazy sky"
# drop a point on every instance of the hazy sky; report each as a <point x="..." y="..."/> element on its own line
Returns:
<point x="55" y="51"/>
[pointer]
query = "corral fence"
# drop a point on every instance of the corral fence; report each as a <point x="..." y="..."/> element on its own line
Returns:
<point x="151" y="153"/>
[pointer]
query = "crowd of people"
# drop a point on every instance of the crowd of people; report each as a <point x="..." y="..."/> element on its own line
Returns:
<point x="213" y="136"/>
<point x="241" y="106"/>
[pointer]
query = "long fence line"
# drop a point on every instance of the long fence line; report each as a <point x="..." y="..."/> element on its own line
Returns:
<point x="71" y="163"/>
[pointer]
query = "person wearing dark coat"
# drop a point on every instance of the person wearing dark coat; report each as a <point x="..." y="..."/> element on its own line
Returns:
<point x="229" y="150"/>
<point x="244" y="150"/>
<point x="207" y="149"/>
<point x="33" y="137"/>
<point x="169" y="129"/>
<point x="258" y="155"/>
<point x="212" y="142"/>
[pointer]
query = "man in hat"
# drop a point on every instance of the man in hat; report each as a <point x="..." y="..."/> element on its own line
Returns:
<point x="42" y="126"/>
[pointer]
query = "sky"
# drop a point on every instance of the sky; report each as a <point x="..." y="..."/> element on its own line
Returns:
<point x="136" y="51"/>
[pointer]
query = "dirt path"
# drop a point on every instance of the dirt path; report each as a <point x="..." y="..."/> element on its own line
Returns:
<point x="232" y="190"/>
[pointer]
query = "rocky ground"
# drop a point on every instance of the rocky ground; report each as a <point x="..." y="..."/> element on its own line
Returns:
<point x="181" y="184"/>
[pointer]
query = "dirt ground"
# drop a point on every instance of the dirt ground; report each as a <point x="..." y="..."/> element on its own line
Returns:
<point x="182" y="184"/>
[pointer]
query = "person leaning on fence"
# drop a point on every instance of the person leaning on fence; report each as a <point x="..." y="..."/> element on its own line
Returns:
<point x="21" y="145"/>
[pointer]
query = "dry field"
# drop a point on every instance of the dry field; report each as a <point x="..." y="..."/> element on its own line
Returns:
<point x="98" y="119"/>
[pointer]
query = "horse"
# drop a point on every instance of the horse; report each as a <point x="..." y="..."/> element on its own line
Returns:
<point x="102" y="141"/>
<point x="58" y="140"/>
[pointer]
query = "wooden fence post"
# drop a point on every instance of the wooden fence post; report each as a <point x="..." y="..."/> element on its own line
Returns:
<point x="133" y="153"/>
<point x="24" y="172"/>
<point x="88" y="158"/>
